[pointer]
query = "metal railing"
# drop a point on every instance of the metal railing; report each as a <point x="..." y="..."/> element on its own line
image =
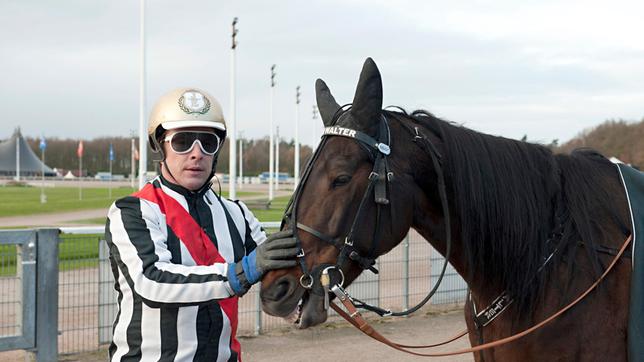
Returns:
<point x="28" y="289"/>
<point x="87" y="300"/>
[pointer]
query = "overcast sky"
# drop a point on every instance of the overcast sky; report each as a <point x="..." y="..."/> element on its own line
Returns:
<point x="548" y="69"/>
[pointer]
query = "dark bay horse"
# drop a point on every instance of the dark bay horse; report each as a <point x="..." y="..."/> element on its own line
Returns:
<point x="539" y="226"/>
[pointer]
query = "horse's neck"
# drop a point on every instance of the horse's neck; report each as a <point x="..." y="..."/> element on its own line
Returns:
<point x="428" y="218"/>
<point x="429" y="221"/>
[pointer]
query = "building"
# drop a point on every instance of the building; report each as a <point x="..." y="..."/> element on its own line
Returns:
<point x="30" y="164"/>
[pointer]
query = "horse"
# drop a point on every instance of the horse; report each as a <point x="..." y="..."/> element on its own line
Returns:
<point x="516" y="220"/>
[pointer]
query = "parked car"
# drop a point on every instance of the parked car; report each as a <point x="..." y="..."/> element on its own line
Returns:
<point x="281" y="177"/>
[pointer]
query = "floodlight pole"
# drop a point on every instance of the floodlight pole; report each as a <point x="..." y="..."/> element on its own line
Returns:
<point x="296" y="162"/>
<point x="271" y="156"/>
<point x="143" y="150"/>
<point x="232" y="166"/>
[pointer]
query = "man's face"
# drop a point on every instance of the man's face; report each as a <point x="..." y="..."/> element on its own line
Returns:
<point x="190" y="170"/>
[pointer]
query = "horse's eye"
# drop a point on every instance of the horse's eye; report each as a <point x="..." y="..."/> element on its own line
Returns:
<point x="341" y="180"/>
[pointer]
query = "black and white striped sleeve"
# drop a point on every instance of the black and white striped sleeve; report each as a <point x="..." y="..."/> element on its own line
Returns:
<point x="136" y="233"/>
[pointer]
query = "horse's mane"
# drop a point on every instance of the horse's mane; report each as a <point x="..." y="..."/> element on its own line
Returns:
<point x="516" y="202"/>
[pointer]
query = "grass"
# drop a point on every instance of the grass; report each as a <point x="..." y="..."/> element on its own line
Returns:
<point x="275" y="212"/>
<point x="81" y="251"/>
<point x="19" y="201"/>
<point x="75" y="252"/>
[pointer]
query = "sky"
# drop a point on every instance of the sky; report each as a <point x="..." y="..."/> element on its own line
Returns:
<point x="545" y="69"/>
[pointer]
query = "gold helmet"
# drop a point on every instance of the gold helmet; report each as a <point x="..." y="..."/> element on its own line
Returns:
<point x="184" y="107"/>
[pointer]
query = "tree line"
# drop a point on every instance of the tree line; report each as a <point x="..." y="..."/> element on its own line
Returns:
<point x="61" y="154"/>
<point x="619" y="138"/>
<point x="613" y="138"/>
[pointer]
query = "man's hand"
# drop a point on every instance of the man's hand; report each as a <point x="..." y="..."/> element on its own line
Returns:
<point x="277" y="252"/>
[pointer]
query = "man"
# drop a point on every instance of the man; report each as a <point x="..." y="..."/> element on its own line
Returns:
<point x="181" y="255"/>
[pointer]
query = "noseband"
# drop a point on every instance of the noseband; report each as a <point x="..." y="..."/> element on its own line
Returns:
<point x="379" y="181"/>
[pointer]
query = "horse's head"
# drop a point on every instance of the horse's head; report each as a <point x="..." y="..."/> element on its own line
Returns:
<point x="357" y="189"/>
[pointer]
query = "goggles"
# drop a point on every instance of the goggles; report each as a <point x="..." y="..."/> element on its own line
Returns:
<point x="183" y="142"/>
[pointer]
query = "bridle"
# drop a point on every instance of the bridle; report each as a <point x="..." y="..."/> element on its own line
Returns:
<point x="379" y="180"/>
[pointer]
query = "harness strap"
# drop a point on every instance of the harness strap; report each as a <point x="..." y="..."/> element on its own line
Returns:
<point x="487" y="315"/>
<point x="380" y="191"/>
<point x="360" y="136"/>
<point x="335" y="242"/>
<point x="364" y="262"/>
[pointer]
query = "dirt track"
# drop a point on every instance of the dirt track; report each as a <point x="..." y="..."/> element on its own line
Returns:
<point x="341" y="342"/>
<point x="335" y="342"/>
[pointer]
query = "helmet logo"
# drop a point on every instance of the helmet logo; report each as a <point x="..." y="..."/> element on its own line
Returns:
<point x="193" y="101"/>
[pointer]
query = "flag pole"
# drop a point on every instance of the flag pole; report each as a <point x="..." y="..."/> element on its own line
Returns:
<point x="43" y="146"/>
<point x="111" y="160"/>
<point x="241" y="159"/>
<point x="42" y="172"/>
<point x="133" y="164"/>
<point x="80" y="175"/>
<point x="79" y="153"/>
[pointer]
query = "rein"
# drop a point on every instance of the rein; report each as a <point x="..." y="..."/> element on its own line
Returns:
<point x="353" y="316"/>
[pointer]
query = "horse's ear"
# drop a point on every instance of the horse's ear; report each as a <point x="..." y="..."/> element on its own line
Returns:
<point x="367" y="102"/>
<point x="326" y="103"/>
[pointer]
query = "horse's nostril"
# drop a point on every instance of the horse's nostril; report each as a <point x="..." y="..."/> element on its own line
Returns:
<point x="278" y="291"/>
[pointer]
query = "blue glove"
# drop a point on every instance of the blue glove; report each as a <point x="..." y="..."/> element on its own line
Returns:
<point x="277" y="252"/>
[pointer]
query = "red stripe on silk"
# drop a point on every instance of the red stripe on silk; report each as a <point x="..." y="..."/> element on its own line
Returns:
<point x="230" y="306"/>
<point x="197" y="242"/>
<point x="199" y="245"/>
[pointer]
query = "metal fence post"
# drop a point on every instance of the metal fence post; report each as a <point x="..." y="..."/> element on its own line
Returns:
<point x="47" y="295"/>
<point x="258" y="309"/>
<point x="406" y="272"/>
<point x="107" y="307"/>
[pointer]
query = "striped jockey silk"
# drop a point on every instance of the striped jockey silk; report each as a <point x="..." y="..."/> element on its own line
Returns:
<point x="169" y="252"/>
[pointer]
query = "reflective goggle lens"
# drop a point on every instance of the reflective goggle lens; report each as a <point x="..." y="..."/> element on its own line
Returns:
<point x="183" y="142"/>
